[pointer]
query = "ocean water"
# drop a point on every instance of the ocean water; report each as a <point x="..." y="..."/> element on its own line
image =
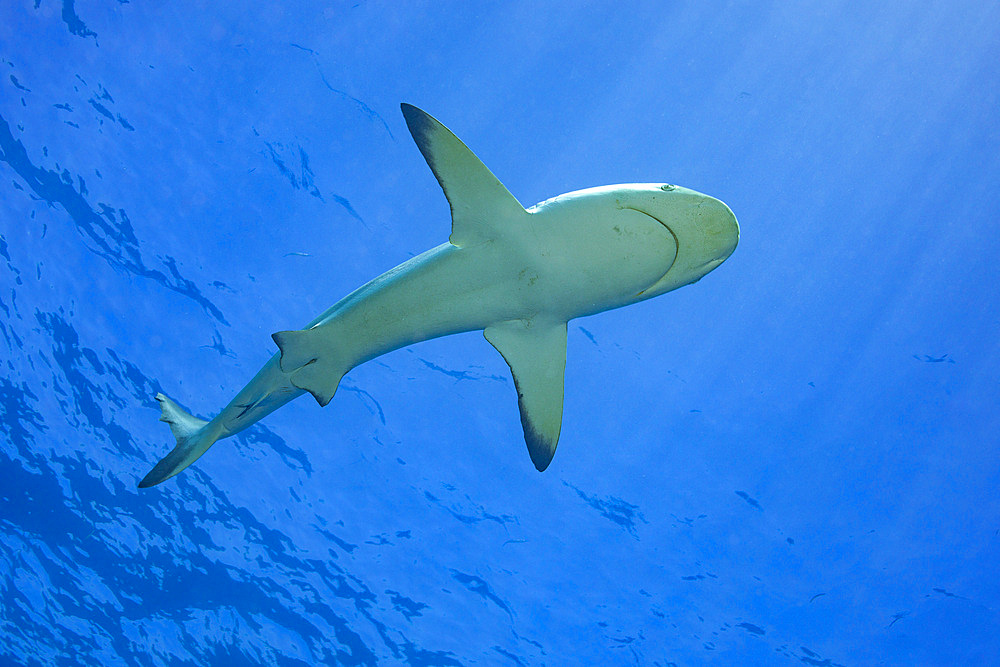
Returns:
<point x="793" y="461"/>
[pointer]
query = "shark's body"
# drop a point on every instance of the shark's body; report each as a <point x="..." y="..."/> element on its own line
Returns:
<point x="519" y="275"/>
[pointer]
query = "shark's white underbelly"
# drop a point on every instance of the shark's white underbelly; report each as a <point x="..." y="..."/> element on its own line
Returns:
<point x="444" y="291"/>
<point x="449" y="290"/>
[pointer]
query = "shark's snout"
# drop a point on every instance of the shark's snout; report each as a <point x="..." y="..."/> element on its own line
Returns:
<point x="722" y="231"/>
<point x="704" y="228"/>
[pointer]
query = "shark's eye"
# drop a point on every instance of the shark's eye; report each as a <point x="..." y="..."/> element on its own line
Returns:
<point x="666" y="187"/>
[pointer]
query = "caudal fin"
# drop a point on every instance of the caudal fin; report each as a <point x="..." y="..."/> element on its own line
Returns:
<point x="194" y="437"/>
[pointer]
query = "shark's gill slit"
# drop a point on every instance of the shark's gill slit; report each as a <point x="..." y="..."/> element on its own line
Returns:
<point x="677" y="244"/>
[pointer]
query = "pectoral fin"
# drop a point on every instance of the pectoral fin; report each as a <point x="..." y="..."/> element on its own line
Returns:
<point x="536" y="354"/>
<point x="481" y="207"/>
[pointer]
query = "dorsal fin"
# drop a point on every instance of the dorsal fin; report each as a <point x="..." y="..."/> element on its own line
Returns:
<point x="480" y="204"/>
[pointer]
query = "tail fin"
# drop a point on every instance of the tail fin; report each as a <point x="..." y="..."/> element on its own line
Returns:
<point x="194" y="437"/>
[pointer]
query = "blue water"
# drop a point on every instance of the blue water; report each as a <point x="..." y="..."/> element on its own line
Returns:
<point x="793" y="461"/>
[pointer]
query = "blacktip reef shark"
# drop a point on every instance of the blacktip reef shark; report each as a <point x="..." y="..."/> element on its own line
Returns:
<point x="517" y="274"/>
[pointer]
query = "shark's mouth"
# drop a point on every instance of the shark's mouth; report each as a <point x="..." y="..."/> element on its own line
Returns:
<point x="677" y="245"/>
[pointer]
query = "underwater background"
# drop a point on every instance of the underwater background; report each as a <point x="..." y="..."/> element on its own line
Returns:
<point x="794" y="461"/>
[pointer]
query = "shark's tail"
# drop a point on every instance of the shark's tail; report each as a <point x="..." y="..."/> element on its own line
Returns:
<point x="194" y="437"/>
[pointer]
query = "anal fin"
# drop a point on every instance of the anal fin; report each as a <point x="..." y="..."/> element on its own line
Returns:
<point x="536" y="354"/>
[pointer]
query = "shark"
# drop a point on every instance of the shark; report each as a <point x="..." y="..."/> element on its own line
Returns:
<point x="518" y="274"/>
